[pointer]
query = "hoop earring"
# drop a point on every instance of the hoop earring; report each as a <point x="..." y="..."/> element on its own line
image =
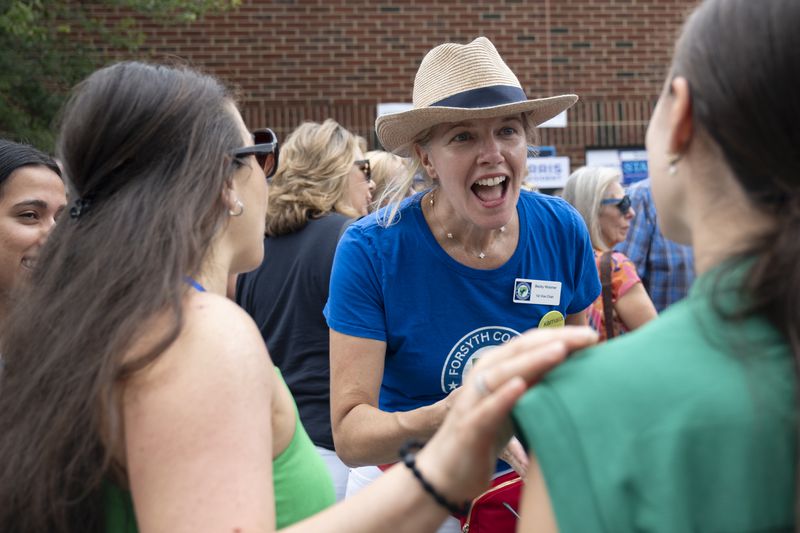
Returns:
<point x="238" y="213"/>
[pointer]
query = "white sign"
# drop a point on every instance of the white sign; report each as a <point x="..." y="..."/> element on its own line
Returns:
<point x="632" y="155"/>
<point x="558" y="121"/>
<point x="602" y="158"/>
<point x="393" y="107"/>
<point x="548" y="172"/>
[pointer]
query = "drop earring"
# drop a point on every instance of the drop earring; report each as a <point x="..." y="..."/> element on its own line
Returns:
<point x="673" y="165"/>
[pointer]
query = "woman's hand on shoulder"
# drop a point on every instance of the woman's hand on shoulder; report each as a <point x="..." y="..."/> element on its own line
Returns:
<point x="462" y="454"/>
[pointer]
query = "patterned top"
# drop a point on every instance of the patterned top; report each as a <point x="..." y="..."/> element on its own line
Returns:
<point x="623" y="277"/>
<point x="665" y="267"/>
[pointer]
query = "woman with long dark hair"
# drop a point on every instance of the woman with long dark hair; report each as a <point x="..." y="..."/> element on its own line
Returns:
<point x="690" y="422"/>
<point x="135" y="396"/>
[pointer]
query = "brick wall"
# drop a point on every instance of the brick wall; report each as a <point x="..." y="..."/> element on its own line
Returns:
<point x="296" y="60"/>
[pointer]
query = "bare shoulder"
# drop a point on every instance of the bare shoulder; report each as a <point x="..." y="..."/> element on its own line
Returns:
<point x="216" y="327"/>
<point x="211" y="318"/>
<point x="206" y="400"/>
<point x="217" y="339"/>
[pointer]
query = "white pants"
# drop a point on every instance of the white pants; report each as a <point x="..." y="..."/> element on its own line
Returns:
<point x="339" y="471"/>
<point x="364" y="475"/>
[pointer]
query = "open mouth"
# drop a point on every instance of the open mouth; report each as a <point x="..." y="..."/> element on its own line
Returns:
<point x="491" y="191"/>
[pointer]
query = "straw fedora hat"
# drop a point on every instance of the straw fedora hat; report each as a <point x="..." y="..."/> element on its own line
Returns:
<point x="458" y="82"/>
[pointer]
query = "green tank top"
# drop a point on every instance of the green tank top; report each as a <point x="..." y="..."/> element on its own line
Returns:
<point x="300" y="479"/>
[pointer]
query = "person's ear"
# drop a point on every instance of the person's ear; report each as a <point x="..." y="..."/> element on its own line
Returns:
<point x="230" y="197"/>
<point x="425" y="160"/>
<point x="680" y="116"/>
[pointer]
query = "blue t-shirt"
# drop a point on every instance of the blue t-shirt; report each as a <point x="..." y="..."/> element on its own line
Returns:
<point x="396" y="284"/>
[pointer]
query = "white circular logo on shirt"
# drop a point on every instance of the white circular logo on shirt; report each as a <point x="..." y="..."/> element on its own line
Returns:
<point x="467" y="350"/>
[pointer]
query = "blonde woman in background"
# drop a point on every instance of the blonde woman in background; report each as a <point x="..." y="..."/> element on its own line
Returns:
<point x="386" y="168"/>
<point x="322" y="183"/>
<point x="597" y="194"/>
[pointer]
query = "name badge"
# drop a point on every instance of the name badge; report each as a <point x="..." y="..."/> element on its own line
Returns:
<point x="534" y="291"/>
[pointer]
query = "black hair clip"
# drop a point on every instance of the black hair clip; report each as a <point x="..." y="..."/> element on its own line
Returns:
<point x="81" y="207"/>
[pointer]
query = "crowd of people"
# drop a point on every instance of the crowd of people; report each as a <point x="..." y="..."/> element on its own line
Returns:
<point x="206" y="328"/>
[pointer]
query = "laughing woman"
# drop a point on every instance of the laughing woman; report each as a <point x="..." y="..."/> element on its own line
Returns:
<point x="31" y="198"/>
<point x="421" y="288"/>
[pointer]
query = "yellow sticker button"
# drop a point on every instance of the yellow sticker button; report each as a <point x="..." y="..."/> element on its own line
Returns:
<point x="552" y="319"/>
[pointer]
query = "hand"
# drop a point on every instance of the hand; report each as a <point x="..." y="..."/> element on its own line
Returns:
<point x="459" y="459"/>
<point x="514" y="454"/>
<point x="446" y="404"/>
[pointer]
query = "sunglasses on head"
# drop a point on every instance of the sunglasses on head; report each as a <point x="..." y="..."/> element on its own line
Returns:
<point x="363" y="166"/>
<point x="623" y="204"/>
<point x="265" y="150"/>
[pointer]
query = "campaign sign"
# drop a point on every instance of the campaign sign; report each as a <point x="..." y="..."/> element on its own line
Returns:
<point x="633" y="164"/>
<point x="548" y="172"/>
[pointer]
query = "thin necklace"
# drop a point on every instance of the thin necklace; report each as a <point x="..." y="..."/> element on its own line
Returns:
<point x="481" y="254"/>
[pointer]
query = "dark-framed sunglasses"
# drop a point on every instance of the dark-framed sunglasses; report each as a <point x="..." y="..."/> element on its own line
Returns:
<point x="623" y="204"/>
<point x="363" y="166"/>
<point x="265" y="150"/>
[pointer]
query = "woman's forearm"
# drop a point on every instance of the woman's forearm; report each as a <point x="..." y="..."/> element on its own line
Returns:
<point x="368" y="436"/>
<point x="395" y="502"/>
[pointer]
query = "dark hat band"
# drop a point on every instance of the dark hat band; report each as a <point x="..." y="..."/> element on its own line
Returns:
<point x="491" y="96"/>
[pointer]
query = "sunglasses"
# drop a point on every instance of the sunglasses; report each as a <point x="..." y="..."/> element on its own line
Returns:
<point x="265" y="150"/>
<point x="623" y="204"/>
<point x="363" y="166"/>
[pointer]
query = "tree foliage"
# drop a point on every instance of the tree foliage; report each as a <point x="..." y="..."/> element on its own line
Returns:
<point x="46" y="46"/>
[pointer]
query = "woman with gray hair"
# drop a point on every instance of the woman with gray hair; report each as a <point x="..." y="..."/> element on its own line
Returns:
<point x="623" y="305"/>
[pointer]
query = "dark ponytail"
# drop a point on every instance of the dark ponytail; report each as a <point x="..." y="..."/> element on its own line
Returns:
<point x="740" y="58"/>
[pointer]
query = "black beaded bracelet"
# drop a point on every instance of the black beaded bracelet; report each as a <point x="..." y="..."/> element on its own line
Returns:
<point x="409" y="457"/>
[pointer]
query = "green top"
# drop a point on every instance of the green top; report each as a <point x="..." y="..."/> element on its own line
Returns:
<point x="302" y="485"/>
<point x="687" y="424"/>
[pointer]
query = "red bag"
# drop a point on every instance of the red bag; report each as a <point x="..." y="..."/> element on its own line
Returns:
<point x="496" y="510"/>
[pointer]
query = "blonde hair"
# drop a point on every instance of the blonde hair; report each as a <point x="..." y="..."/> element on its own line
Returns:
<point x="312" y="177"/>
<point x="584" y="190"/>
<point x="362" y="142"/>
<point x="386" y="167"/>
<point x="398" y="189"/>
